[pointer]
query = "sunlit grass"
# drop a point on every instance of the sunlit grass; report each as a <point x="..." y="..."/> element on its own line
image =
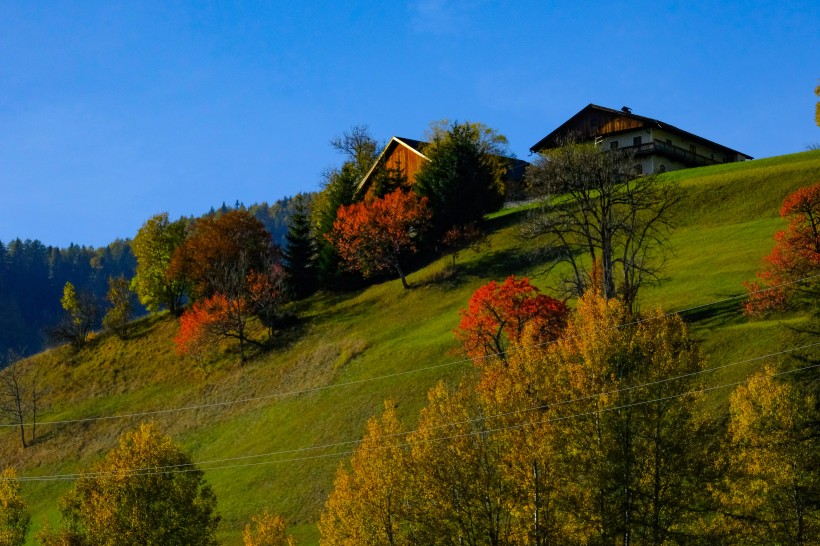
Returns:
<point x="724" y="228"/>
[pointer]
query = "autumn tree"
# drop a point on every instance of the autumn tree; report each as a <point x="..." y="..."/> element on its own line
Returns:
<point x="368" y="504"/>
<point x="463" y="494"/>
<point x="212" y="319"/>
<point x="221" y="251"/>
<point x="464" y="177"/>
<point x="596" y="209"/>
<point x="771" y="494"/>
<point x="498" y="313"/>
<point x="145" y="491"/>
<point x="234" y="271"/>
<point x="15" y="518"/>
<point x="153" y="246"/>
<point x="120" y="299"/>
<point x="81" y="312"/>
<point x="267" y="529"/>
<point x="374" y="236"/>
<point x="457" y="239"/>
<point x="795" y="256"/>
<point x="267" y="292"/>
<point x="359" y="150"/>
<point x="629" y="448"/>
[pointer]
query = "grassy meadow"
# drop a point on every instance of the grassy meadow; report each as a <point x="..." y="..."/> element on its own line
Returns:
<point x="349" y="352"/>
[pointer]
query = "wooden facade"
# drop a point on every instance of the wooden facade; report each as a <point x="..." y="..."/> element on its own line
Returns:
<point x="402" y="155"/>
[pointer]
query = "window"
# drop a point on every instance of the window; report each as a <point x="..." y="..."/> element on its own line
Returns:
<point x="636" y="141"/>
<point x="613" y="145"/>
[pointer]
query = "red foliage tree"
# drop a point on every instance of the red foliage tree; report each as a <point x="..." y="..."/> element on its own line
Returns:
<point x="266" y="294"/>
<point x="498" y="313"/>
<point x="373" y="236"/>
<point x="796" y="254"/>
<point x="212" y="319"/>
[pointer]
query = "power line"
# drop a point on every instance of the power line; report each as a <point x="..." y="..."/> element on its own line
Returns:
<point x="189" y="467"/>
<point x="381" y="377"/>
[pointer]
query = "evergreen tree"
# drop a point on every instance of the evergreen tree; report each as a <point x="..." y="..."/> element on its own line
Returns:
<point x="300" y="250"/>
<point x="463" y="180"/>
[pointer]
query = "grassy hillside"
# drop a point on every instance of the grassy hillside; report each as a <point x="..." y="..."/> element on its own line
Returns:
<point x="350" y="352"/>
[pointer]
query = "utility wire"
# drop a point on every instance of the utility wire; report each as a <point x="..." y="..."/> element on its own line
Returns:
<point x="189" y="467"/>
<point x="380" y="377"/>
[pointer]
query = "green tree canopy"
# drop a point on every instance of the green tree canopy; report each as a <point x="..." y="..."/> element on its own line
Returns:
<point x="464" y="177"/>
<point x="153" y="247"/>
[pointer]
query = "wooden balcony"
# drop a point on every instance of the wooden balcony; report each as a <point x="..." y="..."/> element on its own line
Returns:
<point x="683" y="155"/>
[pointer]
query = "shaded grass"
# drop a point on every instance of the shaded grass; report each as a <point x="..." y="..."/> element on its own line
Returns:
<point x="343" y="340"/>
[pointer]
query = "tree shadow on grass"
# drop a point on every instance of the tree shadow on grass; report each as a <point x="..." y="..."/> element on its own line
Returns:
<point x="498" y="264"/>
<point x="718" y="315"/>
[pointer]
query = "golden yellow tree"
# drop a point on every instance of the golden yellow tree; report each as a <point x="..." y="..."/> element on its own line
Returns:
<point x="267" y="529"/>
<point x="462" y="493"/>
<point x="771" y="494"/>
<point x="617" y="401"/>
<point x="14" y="516"/>
<point x="145" y="491"/>
<point x="368" y="501"/>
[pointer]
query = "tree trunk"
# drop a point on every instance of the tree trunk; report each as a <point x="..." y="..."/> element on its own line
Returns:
<point x="400" y="271"/>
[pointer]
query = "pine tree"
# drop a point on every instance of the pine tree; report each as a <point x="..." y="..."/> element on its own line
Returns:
<point x="300" y="250"/>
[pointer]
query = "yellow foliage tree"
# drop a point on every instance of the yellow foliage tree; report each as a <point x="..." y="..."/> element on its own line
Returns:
<point x="368" y="501"/>
<point x="462" y="492"/>
<point x="267" y="530"/>
<point x="14" y="516"/>
<point x="771" y="492"/>
<point x="621" y="433"/>
<point x="145" y="491"/>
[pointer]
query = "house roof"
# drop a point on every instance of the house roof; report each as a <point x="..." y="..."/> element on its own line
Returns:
<point x="515" y="169"/>
<point x="552" y="140"/>
<point x="414" y="145"/>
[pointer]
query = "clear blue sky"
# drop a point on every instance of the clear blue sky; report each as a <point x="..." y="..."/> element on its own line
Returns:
<point x="113" y="111"/>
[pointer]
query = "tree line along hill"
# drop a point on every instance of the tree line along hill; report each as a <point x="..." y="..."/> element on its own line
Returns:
<point x="32" y="276"/>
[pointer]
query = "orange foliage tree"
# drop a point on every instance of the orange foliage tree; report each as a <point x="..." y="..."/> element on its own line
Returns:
<point x="214" y="318"/>
<point x="373" y="236"/>
<point x="498" y="313"/>
<point x="796" y="255"/>
<point x="221" y="251"/>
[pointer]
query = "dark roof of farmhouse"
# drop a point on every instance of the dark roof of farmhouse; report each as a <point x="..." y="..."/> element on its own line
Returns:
<point x="570" y="127"/>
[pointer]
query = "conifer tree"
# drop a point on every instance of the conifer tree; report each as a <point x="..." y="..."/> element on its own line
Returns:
<point x="300" y="250"/>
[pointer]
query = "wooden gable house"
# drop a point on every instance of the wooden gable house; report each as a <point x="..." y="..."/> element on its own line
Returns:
<point x="405" y="156"/>
<point x="401" y="155"/>
<point x="658" y="146"/>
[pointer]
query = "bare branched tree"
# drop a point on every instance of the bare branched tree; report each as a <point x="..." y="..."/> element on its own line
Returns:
<point x="598" y="210"/>
<point x="20" y="393"/>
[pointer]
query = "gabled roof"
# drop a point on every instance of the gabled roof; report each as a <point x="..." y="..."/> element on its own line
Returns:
<point x="552" y="140"/>
<point x="515" y="167"/>
<point x="414" y="145"/>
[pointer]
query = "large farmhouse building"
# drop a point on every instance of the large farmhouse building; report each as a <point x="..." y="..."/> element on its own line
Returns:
<point x="658" y="146"/>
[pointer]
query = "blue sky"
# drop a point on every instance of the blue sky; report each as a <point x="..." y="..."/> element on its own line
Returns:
<point x="111" y="112"/>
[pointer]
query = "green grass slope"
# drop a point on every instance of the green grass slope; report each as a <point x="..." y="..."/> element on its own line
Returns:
<point x="271" y="434"/>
